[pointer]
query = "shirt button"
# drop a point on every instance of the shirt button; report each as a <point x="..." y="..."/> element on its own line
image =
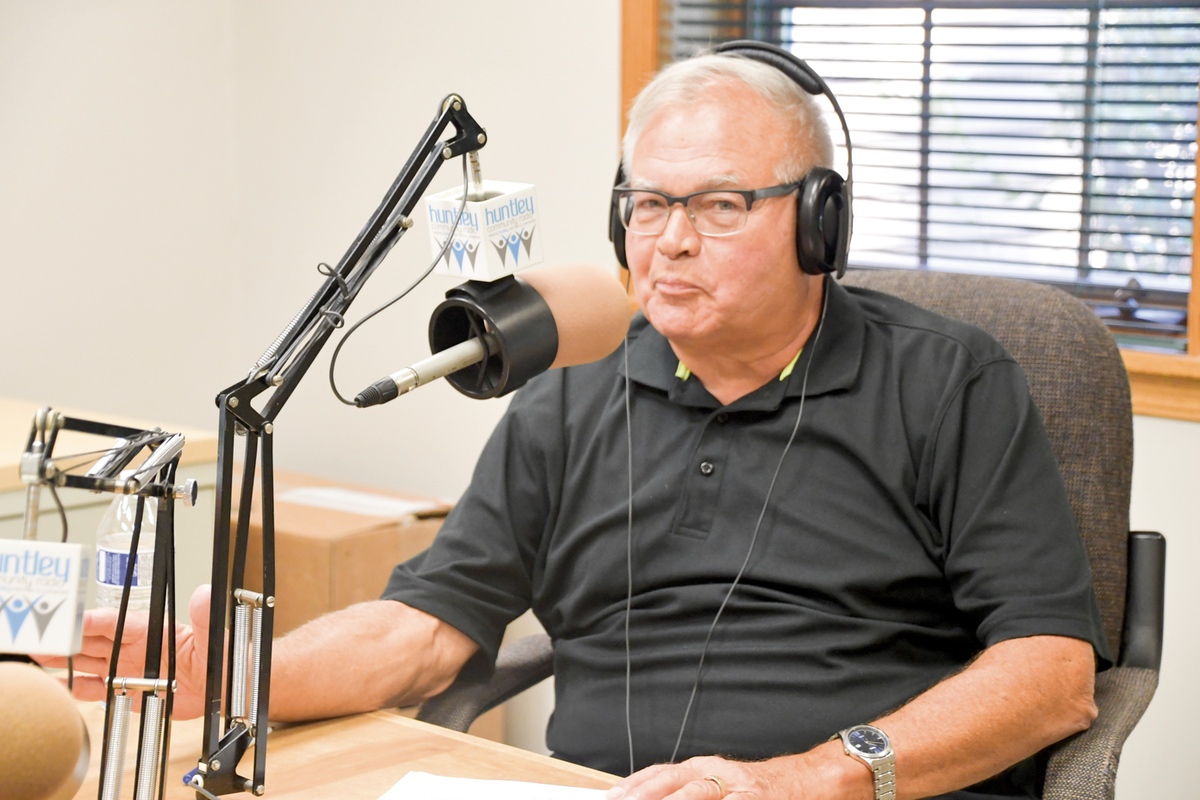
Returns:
<point x="722" y="418"/>
<point x="706" y="468"/>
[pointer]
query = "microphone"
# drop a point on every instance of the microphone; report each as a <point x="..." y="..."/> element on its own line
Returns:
<point x="438" y="365"/>
<point x="46" y="747"/>
<point x="515" y="328"/>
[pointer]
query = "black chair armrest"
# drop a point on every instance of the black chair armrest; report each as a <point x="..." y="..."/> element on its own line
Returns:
<point x="520" y="665"/>
<point x="1142" y="634"/>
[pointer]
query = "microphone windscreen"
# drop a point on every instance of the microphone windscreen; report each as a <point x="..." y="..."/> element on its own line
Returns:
<point x="590" y="308"/>
<point x="44" y="737"/>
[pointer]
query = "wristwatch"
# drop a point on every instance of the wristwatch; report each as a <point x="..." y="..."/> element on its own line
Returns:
<point x="873" y="747"/>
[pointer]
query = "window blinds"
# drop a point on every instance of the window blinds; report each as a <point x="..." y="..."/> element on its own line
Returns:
<point x="1054" y="141"/>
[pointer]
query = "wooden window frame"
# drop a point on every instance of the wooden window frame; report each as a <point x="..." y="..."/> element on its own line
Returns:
<point x="1162" y="385"/>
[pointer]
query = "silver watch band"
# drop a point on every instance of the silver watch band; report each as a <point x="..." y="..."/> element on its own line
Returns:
<point x="885" y="777"/>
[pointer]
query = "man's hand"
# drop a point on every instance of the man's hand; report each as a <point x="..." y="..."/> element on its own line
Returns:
<point x="99" y="628"/>
<point x="824" y="772"/>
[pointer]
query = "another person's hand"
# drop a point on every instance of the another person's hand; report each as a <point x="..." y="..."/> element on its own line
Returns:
<point x="191" y="646"/>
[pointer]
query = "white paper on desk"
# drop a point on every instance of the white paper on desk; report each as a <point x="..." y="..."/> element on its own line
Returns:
<point x="423" y="786"/>
<point x="338" y="499"/>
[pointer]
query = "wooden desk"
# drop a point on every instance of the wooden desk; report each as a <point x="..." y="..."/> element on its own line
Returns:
<point x="351" y="758"/>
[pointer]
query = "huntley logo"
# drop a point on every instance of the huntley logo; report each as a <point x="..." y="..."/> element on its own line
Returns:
<point x="446" y="216"/>
<point x="41" y="597"/>
<point x="494" y="237"/>
<point x="517" y="208"/>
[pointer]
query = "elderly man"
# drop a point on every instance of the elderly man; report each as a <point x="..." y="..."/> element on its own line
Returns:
<point x="783" y="511"/>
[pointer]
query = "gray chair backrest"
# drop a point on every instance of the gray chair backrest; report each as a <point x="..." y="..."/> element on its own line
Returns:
<point x="1080" y="386"/>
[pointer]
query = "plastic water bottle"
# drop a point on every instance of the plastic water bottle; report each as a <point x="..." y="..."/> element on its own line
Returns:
<point x="113" y="539"/>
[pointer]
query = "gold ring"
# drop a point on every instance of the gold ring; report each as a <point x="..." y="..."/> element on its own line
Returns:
<point x="721" y="787"/>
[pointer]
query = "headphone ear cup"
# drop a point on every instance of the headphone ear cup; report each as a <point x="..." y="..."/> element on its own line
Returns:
<point x="822" y="223"/>
<point x="616" y="231"/>
<point x="823" y="205"/>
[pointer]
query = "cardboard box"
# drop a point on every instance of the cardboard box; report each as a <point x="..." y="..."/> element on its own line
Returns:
<point x="336" y="545"/>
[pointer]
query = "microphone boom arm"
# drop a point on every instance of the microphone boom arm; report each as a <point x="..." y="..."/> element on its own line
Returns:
<point x="154" y="476"/>
<point x="246" y="665"/>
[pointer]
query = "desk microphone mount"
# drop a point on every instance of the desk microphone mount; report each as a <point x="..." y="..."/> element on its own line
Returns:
<point x="153" y="477"/>
<point x="246" y="665"/>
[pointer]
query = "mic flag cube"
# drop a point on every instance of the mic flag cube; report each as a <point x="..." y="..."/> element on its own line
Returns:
<point x="494" y="238"/>
<point x="43" y="587"/>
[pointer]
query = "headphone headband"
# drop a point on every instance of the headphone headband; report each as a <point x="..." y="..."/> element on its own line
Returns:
<point x="823" y="205"/>
<point x="796" y="69"/>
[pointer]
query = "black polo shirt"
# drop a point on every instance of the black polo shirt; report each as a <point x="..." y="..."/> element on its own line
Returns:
<point x="917" y="518"/>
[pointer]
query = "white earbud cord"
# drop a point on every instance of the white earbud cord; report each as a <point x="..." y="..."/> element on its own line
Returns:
<point x="628" y="556"/>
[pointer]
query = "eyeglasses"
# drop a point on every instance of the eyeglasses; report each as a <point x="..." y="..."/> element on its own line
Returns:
<point x="713" y="212"/>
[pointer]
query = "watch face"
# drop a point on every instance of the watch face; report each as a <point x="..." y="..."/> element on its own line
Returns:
<point x="868" y="741"/>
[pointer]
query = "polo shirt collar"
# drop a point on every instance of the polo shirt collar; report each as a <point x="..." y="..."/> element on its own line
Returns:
<point x="652" y="362"/>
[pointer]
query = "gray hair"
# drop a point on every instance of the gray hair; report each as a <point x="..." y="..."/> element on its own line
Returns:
<point x="685" y="82"/>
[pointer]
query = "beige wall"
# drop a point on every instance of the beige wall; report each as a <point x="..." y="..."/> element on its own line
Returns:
<point x="1166" y="498"/>
<point x="171" y="174"/>
<point x="119" y="211"/>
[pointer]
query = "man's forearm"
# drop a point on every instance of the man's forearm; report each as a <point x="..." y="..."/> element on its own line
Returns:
<point x="1017" y="698"/>
<point x="361" y="658"/>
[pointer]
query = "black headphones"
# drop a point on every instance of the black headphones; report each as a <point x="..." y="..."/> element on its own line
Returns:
<point x="823" y="214"/>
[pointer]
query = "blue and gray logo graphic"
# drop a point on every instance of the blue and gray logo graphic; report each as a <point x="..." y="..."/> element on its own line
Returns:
<point x="508" y="246"/>
<point x="18" y="608"/>
<point x="512" y="244"/>
<point x="459" y="249"/>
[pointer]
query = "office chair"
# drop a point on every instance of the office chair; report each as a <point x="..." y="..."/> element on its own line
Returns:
<point x="1079" y="383"/>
